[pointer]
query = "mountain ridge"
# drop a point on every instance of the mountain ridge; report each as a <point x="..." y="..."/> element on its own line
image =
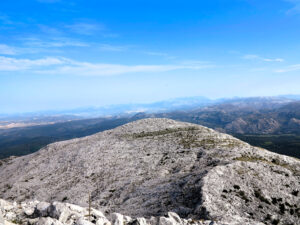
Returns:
<point x="252" y="120"/>
<point x="152" y="166"/>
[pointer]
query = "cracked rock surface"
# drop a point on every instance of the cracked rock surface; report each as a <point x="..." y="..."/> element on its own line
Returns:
<point x="153" y="166"/>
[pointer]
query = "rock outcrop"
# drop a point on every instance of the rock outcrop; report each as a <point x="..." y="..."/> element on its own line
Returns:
<point x="153" y="166"/>
<point x="43" y="213"/>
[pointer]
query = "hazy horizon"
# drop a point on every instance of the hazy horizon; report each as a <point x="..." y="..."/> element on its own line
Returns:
<point x="58" y="54"/>
<point x="187" y="98"/>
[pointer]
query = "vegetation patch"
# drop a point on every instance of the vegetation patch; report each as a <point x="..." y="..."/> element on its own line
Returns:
<point x="260" y="196"/>
<point x="295" y="192"/>
<point x="162" y="132"/>
<point x="286" y="144"/>
<point x="16" y="221"/>
<point x="247" y="158"/>
<point x="236" y="187"/>
<point x="243" y="196"/>
<point x="274" y="162"/>
<point x="281" y="208"/>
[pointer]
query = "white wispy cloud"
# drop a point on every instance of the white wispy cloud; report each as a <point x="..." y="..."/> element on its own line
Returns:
<point x="157" y="53"/>
<point x="48" y="1"/>
<point x="290" y="68"/>
<point x="161" y="54"/>
<point x="13" y="64"/>
<point x="257" y="57"/>
<point x="53" y="42"/>
<point x="7" y="50"/>
<point x="85" y="28"/>
<point x="64" y="66"/>
<point x="116" y="69"/>
<point x="35" y="47"/>
<point x="113" y="48"/>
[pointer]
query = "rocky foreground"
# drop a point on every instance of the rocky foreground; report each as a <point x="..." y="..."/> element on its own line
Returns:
<point x="153" y="166"/>
<point x="43" y="213"/>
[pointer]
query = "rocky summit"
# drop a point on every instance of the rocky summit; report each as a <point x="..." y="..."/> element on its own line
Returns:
<point x="152" y="167"/>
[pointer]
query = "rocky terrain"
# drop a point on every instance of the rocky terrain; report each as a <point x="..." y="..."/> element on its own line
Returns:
<point x="57" y="213"/>
<point x="153" y="166"/>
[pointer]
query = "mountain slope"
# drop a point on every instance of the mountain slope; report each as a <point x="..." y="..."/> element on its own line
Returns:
<point x="152" y="166"/>
<point x="258" y="117"/>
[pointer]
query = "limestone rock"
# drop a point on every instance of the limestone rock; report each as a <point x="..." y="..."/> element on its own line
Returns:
<point x="102" y="221"/>
<point x="82" y="221"/>
<point x="151" y="167"/>
<point x="48" y="221"/>
<point x="41" y="209"/>
<point x="77" y="216"/>
<point x="117" y="219"/>
<point x="1" y="219"/>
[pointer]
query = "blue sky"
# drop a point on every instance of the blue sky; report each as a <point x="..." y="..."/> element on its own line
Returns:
<point x="59" y="54"/>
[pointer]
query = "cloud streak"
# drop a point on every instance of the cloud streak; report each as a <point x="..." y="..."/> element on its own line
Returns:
<point x="48" y="1"/>
<point x="161" y="54"/>
<point x="290" y="68"/>
<point x="113" y="48"/>
<point x="7" y="50"/>
<point x="13" y="64"/>
<point x="85" y="28"/>
<point x="257" y="57"/>
<point x="53" y="42"/>
<point x="64" y="66"/>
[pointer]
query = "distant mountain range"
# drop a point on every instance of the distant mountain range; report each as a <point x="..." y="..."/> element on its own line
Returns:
<point x="269" y="122"/>
<point x="175" y="104"/>
<point x="114" y="110"/>
<point x="246" y="116"/>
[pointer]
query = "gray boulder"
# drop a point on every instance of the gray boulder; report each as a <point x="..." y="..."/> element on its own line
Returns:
<point x="41" y="209"/>
<point x="82" y="221"/>
<point x="1" y="219"/>
<point x="117" y="219"/>
<point x="48" y="221"/>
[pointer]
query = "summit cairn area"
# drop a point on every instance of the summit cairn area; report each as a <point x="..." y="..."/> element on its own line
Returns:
<point x="150" y="167"/>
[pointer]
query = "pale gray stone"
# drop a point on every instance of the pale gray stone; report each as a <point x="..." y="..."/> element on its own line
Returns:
<point x="153" y="166"/>
<point x="1" y="219"/>
<point x="127" y="219"/>
<point x="165" y="221"/>
<point x="117" y="219"/>
<point x="48" y="221"/>
<point x="102" y="221"/>
<point x="82" y="221"/>
<point x="173" y="216"/>
<point x="41" y="209"/>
